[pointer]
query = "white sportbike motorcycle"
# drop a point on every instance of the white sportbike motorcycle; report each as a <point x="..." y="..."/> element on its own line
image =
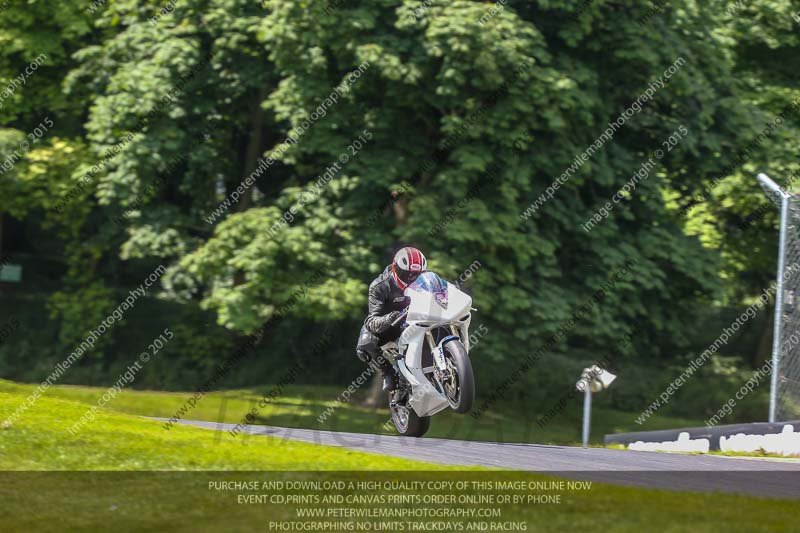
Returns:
<point x="431" y="356"/>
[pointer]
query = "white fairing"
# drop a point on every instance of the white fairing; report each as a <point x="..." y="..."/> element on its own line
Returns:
<point x="425" y="308"/>
<point x="425" y="313"/>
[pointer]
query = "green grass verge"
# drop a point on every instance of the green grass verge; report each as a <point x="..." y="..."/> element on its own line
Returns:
<point x="300" y="407"/>
<point x="39" y="440"/>
<point x="149" y="501"/>
<point x="122" y="501"/>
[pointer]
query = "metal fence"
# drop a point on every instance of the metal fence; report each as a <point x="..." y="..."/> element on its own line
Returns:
<point x="785" y="383"/>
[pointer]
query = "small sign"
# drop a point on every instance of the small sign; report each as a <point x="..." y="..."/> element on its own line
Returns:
<point x="11" y="273"/>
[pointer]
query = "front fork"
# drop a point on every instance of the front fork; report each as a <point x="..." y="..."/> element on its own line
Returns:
<point x="437" y="352"/>
<point x="440" y="371"/>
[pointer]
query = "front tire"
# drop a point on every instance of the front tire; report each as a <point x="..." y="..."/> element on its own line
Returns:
<point x="460" y="387"/>
<point x="408" y="423"/>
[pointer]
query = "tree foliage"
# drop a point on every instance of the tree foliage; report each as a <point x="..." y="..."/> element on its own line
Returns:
<point x="468" y="112"/>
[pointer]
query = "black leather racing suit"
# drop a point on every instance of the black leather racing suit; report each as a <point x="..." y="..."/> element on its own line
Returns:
<point x="384" y="297"/>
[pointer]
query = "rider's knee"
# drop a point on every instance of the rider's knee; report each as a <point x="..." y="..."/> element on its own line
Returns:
<point x="363" y="355"/>
<point x="367" y="342"/>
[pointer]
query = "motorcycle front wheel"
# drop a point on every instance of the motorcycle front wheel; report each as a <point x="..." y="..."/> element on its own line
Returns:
<point x="459" y="383"/>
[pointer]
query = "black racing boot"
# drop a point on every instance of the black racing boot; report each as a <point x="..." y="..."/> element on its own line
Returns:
<point x="389" y="381"/>
<point x="387" y="372"/>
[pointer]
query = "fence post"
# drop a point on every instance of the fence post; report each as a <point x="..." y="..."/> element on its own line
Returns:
<point x="778" y="328"/>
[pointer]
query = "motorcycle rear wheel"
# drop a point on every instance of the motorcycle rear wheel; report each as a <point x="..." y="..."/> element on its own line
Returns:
<point x="408" y="423"/>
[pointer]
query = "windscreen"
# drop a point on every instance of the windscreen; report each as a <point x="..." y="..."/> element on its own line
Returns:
<point x="429" y="282"/>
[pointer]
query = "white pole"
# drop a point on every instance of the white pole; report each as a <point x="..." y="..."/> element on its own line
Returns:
<point x="587" y="413"/>
<point x="778" y="327"/>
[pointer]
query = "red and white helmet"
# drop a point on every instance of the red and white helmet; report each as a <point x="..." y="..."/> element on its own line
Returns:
<point x="407" y="265"/>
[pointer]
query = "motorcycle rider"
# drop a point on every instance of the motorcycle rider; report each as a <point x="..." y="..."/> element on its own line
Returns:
<point x="386" y="301"/>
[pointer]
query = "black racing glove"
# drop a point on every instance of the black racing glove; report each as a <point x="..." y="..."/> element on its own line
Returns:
<point x="390" y="318"/>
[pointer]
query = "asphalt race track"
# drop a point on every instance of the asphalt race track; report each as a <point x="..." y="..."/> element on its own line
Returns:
<point x="754" y="476"/>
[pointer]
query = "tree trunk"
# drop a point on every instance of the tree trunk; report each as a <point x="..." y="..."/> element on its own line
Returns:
<point x="400" y="208"/>
<point x="254" y="149"/>
<point x="252" y="156"/>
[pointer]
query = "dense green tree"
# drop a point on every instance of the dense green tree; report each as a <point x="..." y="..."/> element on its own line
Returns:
<point x="210" y="137"/>
<point x="449" y="95"/>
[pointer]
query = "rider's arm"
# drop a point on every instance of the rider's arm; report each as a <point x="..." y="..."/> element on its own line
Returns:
<point x="379" y="319"/>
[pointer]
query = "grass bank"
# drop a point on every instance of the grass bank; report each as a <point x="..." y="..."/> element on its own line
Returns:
<point x="302" y="407"/>
<point x="117" y="445"/>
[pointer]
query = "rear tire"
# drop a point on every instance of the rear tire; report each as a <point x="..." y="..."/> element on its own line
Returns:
<point x="408" y="423"/>
<point x="463" y="397"/>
